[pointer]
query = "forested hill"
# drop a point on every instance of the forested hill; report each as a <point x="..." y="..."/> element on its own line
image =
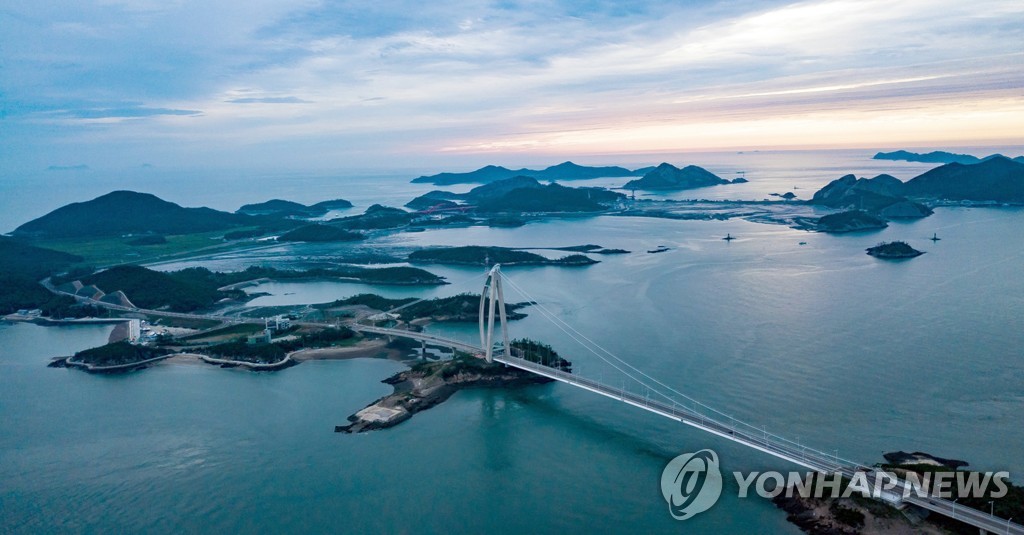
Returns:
<point x="128" y="212"/>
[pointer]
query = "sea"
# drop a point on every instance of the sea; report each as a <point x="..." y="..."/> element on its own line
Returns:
<point x="801" y="333"/>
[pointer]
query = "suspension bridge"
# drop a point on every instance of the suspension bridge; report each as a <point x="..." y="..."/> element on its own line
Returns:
<point x="658" y="398"/>
<point x="668" y="402"/>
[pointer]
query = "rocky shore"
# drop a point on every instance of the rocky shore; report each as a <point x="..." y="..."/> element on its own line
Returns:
<point x="426" y="385"/>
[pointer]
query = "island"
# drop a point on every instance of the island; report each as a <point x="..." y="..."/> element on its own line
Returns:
<point x="856" y="515"/>
<point x="893" y="250"/>
<point x="937" y="156"/>
<point x="283" y="208"/>
<point x="475" y="255"/>
<point x="669" y="177"/>
<point x="428" y="384"/>
<point x="491" y="173"/>
<point x="518" y="195"/>
<point x="852" y="221"/>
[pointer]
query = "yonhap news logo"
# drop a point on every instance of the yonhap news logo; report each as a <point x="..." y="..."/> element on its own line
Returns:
<point x="691" y="483"/>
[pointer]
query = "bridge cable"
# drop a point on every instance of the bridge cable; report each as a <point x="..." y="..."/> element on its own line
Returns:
<point x="558" y="322"/>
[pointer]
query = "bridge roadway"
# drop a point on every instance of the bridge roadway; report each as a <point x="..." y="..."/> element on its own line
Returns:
<point x="794" y="453"/>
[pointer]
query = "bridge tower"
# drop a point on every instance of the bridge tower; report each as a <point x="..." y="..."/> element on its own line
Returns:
<point x="491" y="298"/>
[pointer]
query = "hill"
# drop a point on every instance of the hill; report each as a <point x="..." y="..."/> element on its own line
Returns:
<point x="881" y="195"/>
<point x="998" y="179"/>
<point x="22" y="259"/>
<point x="376" y="217"/>
<point x="938" y="156"/>
<point x="179" y="291"/>
<point x="320" y="233"/>
<point x="491" y="173"/>
<point x="282" y="208"/>
<point x="486" y="256"/>
<point x="896" y="249"/>
<point x="550" y="198"/>
<point x="21" y="267"/>
<point x="669" y="177"/>
<point x="128" y="212"/>
<point x="851" y="221"/>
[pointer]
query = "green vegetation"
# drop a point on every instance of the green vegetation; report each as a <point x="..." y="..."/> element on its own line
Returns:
<point x="457" y="308"/>
<point x="895" y="249"/>
<point x="151" y="239"/>
<point x="111" y="250"/>
<point x="540" y="353"/>
<point x="195" y="288"/>
<point x="181" y="291"/>
<point x="484" y="256"/>
<point x="282" y="208"/>
<point x="669" y="177"/>
<point x="128" y="212"/>
<point x="851" y="221"/>
<point x="117" y="354"/>
<point x="551" y="198"/>
<point x="320" y="233"/>
<point x="376" y="217"/>
<point x="846" y="515"/>
<point x="244" y="234"/>
<point x="224" y="333"/>
<point x="264" y="353"/>
<point x="22" y="266"/>
<point x="373" y="301"/>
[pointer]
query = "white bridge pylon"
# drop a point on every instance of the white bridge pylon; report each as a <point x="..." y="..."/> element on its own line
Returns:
<point x="493" y="297"/>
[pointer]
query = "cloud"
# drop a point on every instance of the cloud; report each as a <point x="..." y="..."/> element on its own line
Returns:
<point x="120" y="113"/>
<point x="79" y="167"/>
<point x="407" y="79"/>
<point x="268" y="100"/>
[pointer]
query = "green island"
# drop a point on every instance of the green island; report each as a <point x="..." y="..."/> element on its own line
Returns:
<point x="475" y="255"/>
<point x="457" y="308"/>
<point x="428" y="384"/>
<point x="893" y="250"/>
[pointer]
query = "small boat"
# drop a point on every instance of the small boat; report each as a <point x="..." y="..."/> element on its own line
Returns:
<point x="660" y="249"/>
<point x="935" y="237"/>
<point x="728" y="237"/>
<point x="803" y="243"/>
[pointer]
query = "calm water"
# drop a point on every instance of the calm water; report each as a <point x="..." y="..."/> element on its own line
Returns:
<point x="816" y="341"/>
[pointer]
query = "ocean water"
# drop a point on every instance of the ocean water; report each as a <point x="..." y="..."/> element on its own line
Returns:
<point x="817" y="342"/>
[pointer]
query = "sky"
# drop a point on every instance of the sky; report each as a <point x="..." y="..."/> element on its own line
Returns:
<point x="332" y="84"/>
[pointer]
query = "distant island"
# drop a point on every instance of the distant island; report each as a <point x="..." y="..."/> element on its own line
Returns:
<point x="491" y="173"/>
<point x="519" y="194"/>
<point x="284" y="208"/>
<point x="937" y="156"/>
<point x="475" y="255"/>
<point x="893" y="250"/>
<point x="669" y="177"/>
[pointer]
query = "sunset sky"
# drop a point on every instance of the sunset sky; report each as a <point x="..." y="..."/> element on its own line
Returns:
<point x="376" y="84"/>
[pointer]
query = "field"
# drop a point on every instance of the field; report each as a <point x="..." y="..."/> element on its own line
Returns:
<point x="109" y="251"/>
